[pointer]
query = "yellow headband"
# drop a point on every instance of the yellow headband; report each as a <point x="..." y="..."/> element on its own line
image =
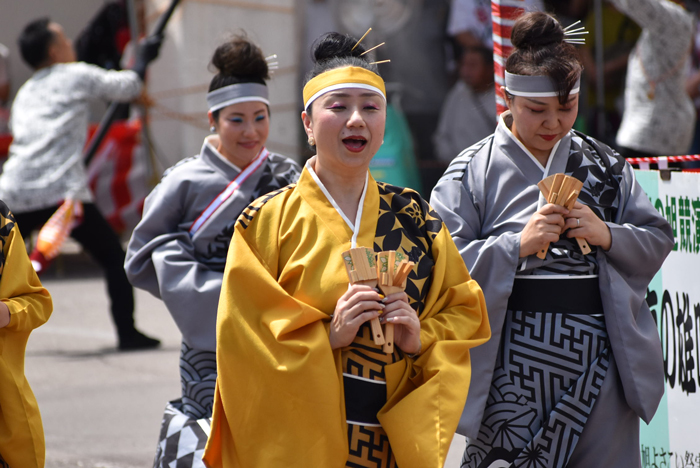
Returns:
<point x="338" y="78"/>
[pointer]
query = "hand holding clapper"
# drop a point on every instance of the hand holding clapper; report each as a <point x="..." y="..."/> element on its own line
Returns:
<point x="562" y="190"/>
<point x="392" y="271"/>
<point x="389" y="270"/>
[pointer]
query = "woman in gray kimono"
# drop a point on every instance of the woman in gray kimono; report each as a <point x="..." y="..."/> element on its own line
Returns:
<point x="575" y="357"/>
<point x="178" y="250"/>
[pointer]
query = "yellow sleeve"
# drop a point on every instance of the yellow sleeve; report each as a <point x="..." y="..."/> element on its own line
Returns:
<point x="21" y="431"/>
<point x="277" y="399"/>
<point x="29" y="302"/>
<point x="426" y="396"/>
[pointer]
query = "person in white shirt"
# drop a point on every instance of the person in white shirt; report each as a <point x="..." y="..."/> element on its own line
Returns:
<point x="659" y="116"/>
<point x="49" y="122"/>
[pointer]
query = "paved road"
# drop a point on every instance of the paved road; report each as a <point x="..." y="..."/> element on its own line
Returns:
<point x="102" y="408"/>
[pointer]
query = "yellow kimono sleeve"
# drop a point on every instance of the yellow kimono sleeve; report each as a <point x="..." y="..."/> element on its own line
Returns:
<point x="426" y="396"/>
<point x="20" y="289"/>
<point x="277" y="399"/>
<point x="21" y="431"/>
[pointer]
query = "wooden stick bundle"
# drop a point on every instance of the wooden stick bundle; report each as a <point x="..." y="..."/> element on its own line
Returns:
<point x="562" y="190"/>
<point x="392" y="271"/>
<point x="361" y="266"/>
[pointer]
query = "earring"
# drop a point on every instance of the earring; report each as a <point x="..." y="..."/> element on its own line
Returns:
<point x="312" y="141"/>
<point x="212" y="129"/>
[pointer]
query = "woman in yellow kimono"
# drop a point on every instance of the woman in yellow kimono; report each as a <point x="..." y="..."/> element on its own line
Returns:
<point x="24" y="306"/>
<point x="301" y="383"/>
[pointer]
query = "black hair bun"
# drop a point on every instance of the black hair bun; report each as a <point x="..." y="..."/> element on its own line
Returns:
<point x="334" y="45"/>
<point x="239" y="57"/>
<point x="536" y="30"/>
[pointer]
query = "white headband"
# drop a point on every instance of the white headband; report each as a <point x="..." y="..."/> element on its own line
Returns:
<point x="235" y="93"/>
<point x="535" y="86"/>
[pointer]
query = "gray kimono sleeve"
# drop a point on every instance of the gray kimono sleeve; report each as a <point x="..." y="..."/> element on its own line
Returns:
<point x="162" y="260"/>
<point x="641" y="240"/>
<point x="492" y="261"/>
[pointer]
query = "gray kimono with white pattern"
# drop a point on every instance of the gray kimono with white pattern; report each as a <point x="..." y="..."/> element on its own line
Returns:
<point x="486" y="197"/>
<point x="186" y="271"/>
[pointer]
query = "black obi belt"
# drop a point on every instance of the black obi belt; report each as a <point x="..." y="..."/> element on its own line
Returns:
<point x="571" y="295"/>
<point x="363" y="400"/>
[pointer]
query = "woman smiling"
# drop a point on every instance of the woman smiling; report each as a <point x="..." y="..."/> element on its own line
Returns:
<point x="178" y="250"/>
<point x="301" y="382"/>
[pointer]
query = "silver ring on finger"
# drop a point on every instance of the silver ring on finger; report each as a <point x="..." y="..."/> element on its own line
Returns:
<point x="578" y="222"/>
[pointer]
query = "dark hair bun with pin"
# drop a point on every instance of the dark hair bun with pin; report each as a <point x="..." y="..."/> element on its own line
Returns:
<point x="334" y="50"/>
<point x="335" y="45"/>
<point x="540" y="50"/>
<point x="238" y="60"/>
<point x="536" y="30"/>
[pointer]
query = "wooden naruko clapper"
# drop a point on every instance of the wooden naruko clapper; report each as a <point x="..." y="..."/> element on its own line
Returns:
<point x="361" y="266"/>
<point x="392" y="270"/>
<point x="388" y="270"/>
<point x="562" y="190"/>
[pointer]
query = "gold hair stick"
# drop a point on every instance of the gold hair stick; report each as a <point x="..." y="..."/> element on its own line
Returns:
<point x="363" y="36"/>
<point x="370" y="50"/>
<point x="381" y="61"/>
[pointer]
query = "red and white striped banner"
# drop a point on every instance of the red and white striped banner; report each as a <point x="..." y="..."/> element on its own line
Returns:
<point x="118" y="175"/>
<point x="667" y="159"/>
<point x="503" y="15"/>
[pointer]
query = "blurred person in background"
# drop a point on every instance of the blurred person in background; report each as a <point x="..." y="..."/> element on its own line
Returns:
<point x="45" y="166"/>
<point x="692" y="83"/>
<point x="4" y="87"/>
<point x="619" y="34"/>
<point x="469" y="110"/>
<point x="659" y="116"/>
<point x="469" y="21"/>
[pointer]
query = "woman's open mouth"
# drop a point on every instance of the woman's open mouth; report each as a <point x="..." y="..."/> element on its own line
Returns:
<point x="355" y="143"/>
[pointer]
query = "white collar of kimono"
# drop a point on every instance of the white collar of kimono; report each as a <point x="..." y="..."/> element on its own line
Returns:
<point x="354" y="227"/>
<point x="545" y="170"/>
<point x="211" y="142"/>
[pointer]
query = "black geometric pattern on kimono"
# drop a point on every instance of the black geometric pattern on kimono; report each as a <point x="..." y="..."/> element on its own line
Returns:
<point x="599" y="167"/>
<point x="198" y="381"/>
<point x="278" y="172"/>
<point x="549" y="373"/>
<point x="7" y="223"/>
<point x="407" y="223"/>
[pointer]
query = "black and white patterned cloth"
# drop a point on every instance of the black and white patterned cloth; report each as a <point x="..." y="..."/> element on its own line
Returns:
<point x="187" y="421"/>
<point x="549" y="372"/>
<point x="198" y="380"/>
<point x="182" y="439"/>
